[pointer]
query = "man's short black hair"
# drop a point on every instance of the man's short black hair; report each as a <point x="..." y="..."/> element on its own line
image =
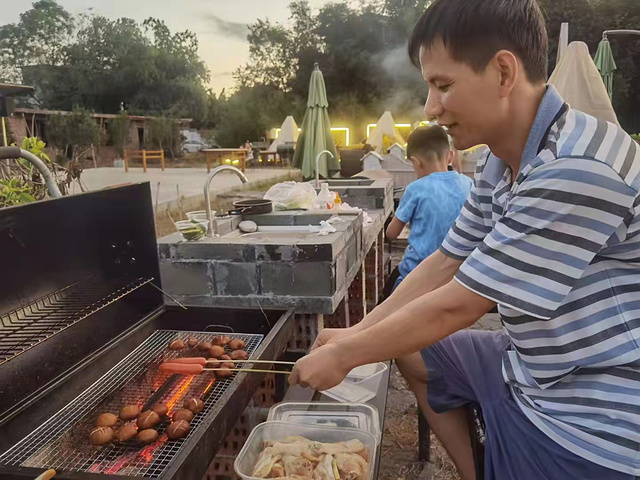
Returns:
<point x="428" y="143"/>
<point x="473" y="31"/>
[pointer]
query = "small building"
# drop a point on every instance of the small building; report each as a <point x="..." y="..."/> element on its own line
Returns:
<point x="7" y="92"/>
<point x="27" y="122"/>
<point x="372" y="161"/>
<point x="398" y="150"/>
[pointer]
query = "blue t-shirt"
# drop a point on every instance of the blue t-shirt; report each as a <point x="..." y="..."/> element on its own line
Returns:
<point x="431" y="205"/>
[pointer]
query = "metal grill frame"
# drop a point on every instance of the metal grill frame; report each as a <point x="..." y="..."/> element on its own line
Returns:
<point x="24" y="328"/>
<point x="35" y="449"/>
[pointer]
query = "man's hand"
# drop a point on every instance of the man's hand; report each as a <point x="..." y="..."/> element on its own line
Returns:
<point x="321" y="370"/>
<point x="330" y="335"/>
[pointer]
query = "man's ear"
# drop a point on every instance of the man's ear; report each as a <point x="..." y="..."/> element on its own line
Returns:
<point x="508" y="69"/>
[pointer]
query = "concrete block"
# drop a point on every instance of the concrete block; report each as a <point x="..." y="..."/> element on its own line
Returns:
<point x="231" y="252"/>
<point x="286" y="253"/>
<point x="341" y="267"/>
<point x="324" y="252"/>
<point x="233" y="278"/>
<point x="313" y="279"/>
<point x="187" y="278"/>
<point x="352" y="252"/>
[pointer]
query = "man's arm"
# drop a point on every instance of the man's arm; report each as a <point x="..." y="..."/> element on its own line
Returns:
<point x="433" y="272"/>
<point x="395" y="228"/>
<point x="416" y="325"/>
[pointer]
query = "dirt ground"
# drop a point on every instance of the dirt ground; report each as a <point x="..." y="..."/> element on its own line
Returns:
<point x="399" y="457"/>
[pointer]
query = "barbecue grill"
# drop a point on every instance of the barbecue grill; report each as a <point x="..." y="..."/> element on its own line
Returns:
<point x="83" y="329"/>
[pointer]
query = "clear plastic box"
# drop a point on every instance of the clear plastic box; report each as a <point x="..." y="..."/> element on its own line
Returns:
<point x="327" y="414"/>
<point x="274" y="431"/>
<point x="360" y="385"/>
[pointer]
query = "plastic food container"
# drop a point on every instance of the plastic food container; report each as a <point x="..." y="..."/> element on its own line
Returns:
<point x="328" y="414"/>
<point x="192" y="230"/>
<point x="274" y="431"/>
<point x="199" y="215"/>
<point x="360" y="385"/>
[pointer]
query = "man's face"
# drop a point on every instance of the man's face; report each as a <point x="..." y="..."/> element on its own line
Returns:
<point x="468" y="104"/>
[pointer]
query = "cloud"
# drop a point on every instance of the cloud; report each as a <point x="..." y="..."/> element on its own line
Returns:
<point x="234" y="30"/>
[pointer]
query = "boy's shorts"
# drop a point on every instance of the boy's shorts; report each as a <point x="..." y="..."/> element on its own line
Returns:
<point x="466" y="368"/>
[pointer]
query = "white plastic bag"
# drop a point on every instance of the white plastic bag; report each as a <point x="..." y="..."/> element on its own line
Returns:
<point x="291" y="195"/>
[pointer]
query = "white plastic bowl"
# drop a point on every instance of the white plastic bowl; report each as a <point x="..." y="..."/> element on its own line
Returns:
<point x="199" y="215"/>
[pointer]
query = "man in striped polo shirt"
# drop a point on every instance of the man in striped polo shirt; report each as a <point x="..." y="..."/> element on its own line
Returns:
<point x="550" y="233"/>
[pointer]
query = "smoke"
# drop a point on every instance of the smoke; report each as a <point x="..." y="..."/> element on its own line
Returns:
<point x="235" y="30"/>
<point x="408" y="90"/>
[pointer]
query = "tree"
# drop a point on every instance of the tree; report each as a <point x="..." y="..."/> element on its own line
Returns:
<point x="38" y="38"/>
<point x="119" y="131"/>
<point x="105" y="63"/>
<point x="73" y="133"/>
<point x="165" y="134"/>
<point x="250" y="112"/>
<point x="271" y="57"/>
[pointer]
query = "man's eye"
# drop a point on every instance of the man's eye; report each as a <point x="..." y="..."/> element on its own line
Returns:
<point x="443" y="88"/>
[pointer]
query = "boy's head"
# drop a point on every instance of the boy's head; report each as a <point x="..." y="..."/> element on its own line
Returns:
<point x="428" y="149"/>
<point x="479" y="58"/>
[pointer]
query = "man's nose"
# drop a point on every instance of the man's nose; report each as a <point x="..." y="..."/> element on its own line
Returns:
<point x="433" y="106"/>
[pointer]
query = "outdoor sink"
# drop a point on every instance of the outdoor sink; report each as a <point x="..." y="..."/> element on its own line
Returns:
<point x="282" y="265"/>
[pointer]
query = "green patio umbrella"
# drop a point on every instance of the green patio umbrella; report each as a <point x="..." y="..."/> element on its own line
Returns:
<point x="316" y="133"/>
<point x="606" y="65"/>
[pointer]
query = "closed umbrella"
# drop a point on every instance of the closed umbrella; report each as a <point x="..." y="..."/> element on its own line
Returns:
<point x="316" y="133"/>
<point x="605" y="64"/>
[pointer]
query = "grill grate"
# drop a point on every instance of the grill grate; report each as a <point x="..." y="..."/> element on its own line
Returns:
<point x="27" y="326"/>
<point x="62" y="442"/>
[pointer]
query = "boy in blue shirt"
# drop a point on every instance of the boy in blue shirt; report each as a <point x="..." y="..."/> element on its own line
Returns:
<point x="432" y="203"/>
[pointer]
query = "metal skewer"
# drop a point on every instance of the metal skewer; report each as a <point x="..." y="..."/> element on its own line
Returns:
<point x="284" y="372"/>
<point x="203" y="361"/>
<point x="197" y="368"/>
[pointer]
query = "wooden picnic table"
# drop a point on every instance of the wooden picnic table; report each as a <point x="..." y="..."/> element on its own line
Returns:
<point x="235" y="157"/>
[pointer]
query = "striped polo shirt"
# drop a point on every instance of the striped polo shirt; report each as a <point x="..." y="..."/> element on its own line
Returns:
<point x="557" y="246"/>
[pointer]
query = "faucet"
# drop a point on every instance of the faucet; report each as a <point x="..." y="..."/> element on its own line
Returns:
<point x="318" y="167"/>
<point x="207" y="195"/>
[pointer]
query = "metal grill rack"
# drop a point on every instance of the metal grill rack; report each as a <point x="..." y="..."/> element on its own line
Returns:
<point x="27" y="326"/>
<point x="62" y="442"/>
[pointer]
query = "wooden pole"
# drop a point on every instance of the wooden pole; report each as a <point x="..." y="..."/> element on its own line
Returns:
<point x="179" y="202"/>
<point x="93" y="154"/>
<point x="126" y="161"/>
<point x="157" y="198"/>
<point x="4" y="132"/>
<point x="144" y="161"/>
<point x="208" y="162"/>
<point x="162" y="159"/>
